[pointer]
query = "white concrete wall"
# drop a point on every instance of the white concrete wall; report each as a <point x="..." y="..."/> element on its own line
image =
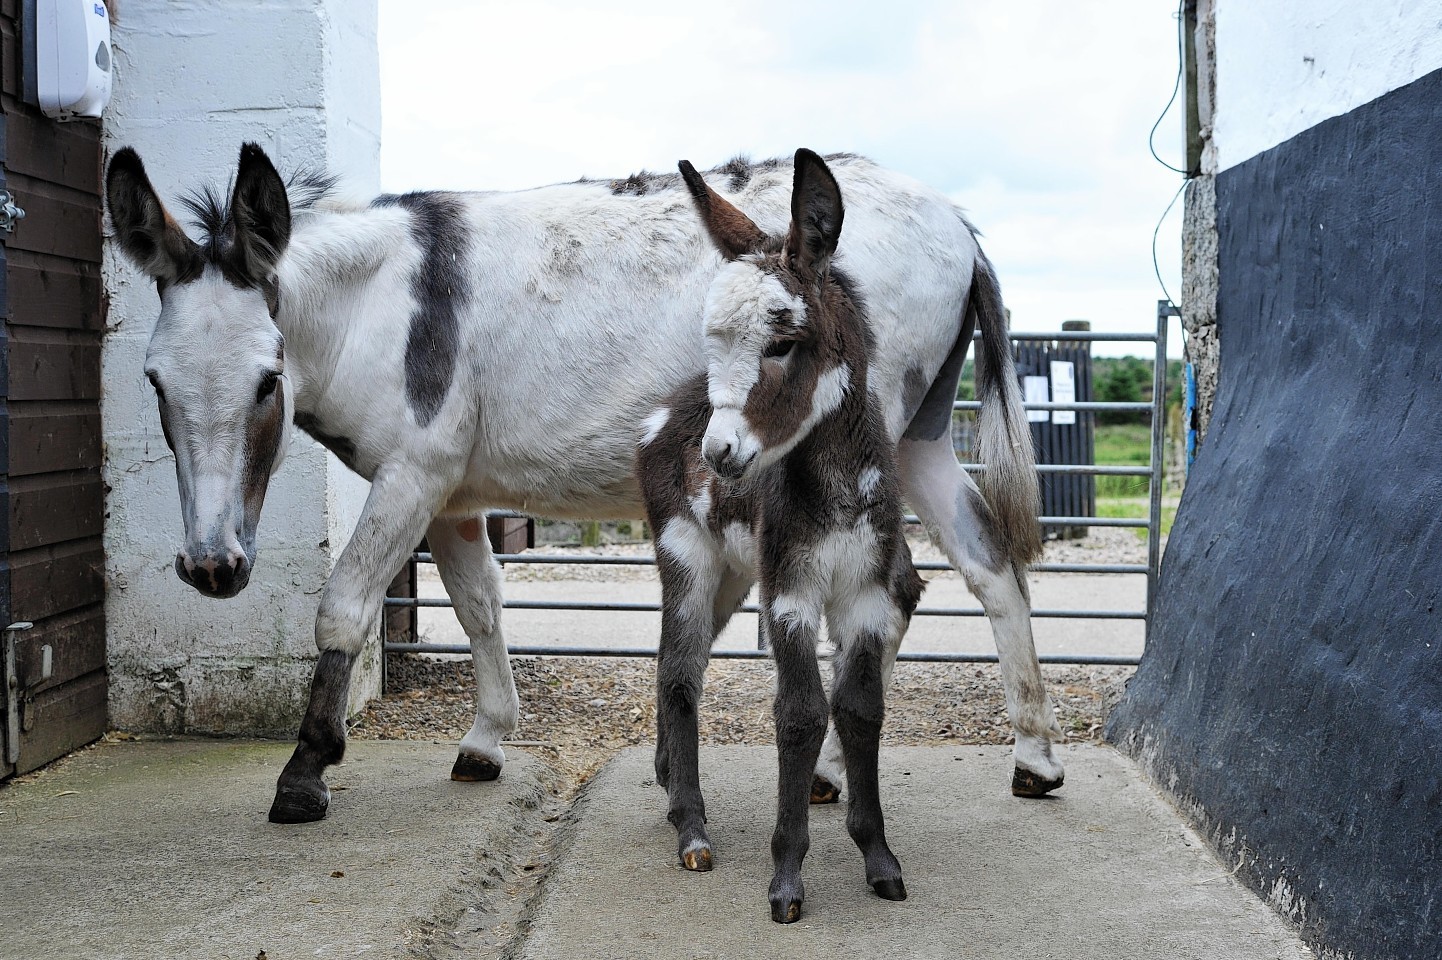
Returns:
<point x="192" y="82"/>
<point x="1283" y="66"/>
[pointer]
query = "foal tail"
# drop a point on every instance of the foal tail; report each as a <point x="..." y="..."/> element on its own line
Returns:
<point x="1009" y="481"/>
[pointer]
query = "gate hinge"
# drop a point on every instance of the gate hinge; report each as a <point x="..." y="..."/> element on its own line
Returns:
<point x="10" y="212"/>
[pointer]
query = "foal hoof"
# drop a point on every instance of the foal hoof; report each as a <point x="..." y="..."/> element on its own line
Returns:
<point x="889" y="889"/>
<point x="1024" y="783"/>
<point x="697" y="858"/>
<point x="469" y="769"/>
<point x="299" y="804"/>
<point x="785" y="911"/>
<point x="823" y="790"/>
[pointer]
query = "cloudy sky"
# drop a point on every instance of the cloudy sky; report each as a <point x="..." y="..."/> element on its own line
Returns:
<point x="1032" y="115"/>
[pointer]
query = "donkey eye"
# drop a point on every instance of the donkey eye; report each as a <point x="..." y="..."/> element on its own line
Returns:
<point x="779" y="348"/>
<point x="267" y="386"/>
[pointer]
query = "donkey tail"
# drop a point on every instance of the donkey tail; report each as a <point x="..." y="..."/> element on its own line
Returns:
<point x="1009" y="481"/>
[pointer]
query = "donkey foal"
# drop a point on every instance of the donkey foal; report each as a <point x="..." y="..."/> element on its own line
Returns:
<point x="778" y="465"/>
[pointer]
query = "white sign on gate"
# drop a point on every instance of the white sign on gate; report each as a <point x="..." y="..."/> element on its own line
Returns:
<point x="1063" y="389"/>
<point x="1035" y="390"/>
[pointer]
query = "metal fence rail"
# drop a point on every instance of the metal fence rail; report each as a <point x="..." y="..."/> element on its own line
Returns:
<point x="1152" y="524"/>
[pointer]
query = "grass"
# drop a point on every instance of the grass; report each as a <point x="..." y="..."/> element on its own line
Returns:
<point x="1136" y="507"/>
<point x="1123" y="445"/>
<point x="1130" y="445"/>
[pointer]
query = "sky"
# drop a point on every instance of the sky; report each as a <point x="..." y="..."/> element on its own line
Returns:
<point x="1034" y="116"/>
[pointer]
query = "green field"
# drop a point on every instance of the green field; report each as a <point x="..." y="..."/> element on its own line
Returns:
<point x="1127" y="444"/>
<point x="1123" y="445"/>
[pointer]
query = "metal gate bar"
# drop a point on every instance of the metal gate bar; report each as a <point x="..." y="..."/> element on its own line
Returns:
<point x="1152" y="524"/>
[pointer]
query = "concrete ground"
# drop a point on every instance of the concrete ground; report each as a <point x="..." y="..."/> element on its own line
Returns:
<point x="564" y="628"/>
<point x="162" y="850"/>
<point x="1104" y="870"/>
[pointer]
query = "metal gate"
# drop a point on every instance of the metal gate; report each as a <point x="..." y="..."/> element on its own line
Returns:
<point x="1152" y="524"/>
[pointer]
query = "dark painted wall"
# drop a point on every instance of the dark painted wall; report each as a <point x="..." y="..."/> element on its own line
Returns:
<point x="1291" y="694"/>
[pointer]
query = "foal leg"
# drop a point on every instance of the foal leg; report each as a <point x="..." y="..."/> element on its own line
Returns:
<point x="400" y="503"/>
<point x="691" y="581"/>
<point x="800" y="712"/>
<point x="906" y="586"/>
<point x="462" y="553"/>
<point x="957" y="517"/>
<point x="858" y="708"/>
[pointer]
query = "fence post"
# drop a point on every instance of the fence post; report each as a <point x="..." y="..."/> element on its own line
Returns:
<point x="1081" y="488"/>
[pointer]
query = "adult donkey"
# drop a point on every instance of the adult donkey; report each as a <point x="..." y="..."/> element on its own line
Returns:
<point x="433" y="342"/>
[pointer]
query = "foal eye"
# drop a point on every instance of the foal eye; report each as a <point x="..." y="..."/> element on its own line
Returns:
<point x="780" y="348"/>
<point x="267" y="387"/>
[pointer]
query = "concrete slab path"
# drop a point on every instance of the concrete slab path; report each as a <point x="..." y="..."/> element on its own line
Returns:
<point x="1105" y="870"/>
<point x="162" y="850"/>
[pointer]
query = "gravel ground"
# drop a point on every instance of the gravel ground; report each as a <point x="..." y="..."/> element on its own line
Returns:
<point x="577" y="712"/>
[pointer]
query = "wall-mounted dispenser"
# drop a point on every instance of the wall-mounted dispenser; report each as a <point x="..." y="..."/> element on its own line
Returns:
<point x="67" y="62"/>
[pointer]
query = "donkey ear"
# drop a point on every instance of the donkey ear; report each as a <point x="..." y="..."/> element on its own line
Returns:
<point x="816" y="215"/>
<point x="260" y="210"/>
<point x="145" y="230"/>
<point x="731" y="230"/>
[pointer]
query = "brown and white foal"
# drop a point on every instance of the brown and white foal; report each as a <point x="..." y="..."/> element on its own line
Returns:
<point x="777" y="466"/>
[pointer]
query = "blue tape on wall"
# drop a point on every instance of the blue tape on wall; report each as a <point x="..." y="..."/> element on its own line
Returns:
<point x="1291" y="691"/>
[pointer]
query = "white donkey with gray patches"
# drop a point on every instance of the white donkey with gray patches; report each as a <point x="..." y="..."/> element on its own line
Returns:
<point x="777" y="465"/>
<point x="432" y="341"/>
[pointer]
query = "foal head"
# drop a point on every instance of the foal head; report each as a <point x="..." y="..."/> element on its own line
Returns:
<point x="216" y="359"/>
<point x="776" y="356"/>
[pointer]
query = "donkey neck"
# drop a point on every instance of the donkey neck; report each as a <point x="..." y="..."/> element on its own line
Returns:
<point x="330" y="271"/>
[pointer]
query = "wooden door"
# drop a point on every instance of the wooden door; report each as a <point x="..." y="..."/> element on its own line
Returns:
<point x="52" y="499"/>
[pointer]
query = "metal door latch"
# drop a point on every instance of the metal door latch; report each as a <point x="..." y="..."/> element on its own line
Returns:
<point x="13" y="691"/>
<point x="10" y="212"/>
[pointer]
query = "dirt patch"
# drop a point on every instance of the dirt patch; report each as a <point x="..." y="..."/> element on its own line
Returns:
<point x="577" y="712"/>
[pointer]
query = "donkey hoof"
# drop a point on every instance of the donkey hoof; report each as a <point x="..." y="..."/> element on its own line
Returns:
<point x="823" y="790"/>
<point x="697" y="858"/>
<point x="891" y="889"/>
<point x="786" y="910"/>
<point x="469" y="769"/>
<point x="1024" y="783"/>
<point x="299" y="804"/>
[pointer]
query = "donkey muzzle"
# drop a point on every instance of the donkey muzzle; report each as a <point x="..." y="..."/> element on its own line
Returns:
<point x="219" y="575"/>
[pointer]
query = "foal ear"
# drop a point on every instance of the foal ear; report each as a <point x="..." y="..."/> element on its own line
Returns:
<point x="145" y="230"/>
<point x="731" y="230"/>
<point x="816" y="215"/>
<point x="260" y="210"/>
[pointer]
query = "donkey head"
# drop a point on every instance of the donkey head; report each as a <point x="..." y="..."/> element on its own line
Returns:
<point x="216" y="359"/>
<point x="775" y="361"/>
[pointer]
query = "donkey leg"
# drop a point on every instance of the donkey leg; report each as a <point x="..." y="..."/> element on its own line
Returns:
<point x="396" y="512"/>
<point x="691" y="586"/>
<point x="472" y="577"/>
<point x="957" y="517"/>
<point x="800" y="712"/>
<point x="858" y="708"/>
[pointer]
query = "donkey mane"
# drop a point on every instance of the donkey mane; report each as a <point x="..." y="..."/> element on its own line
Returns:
<point x="307" y="190"/>
<point x="739" y="170"/>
